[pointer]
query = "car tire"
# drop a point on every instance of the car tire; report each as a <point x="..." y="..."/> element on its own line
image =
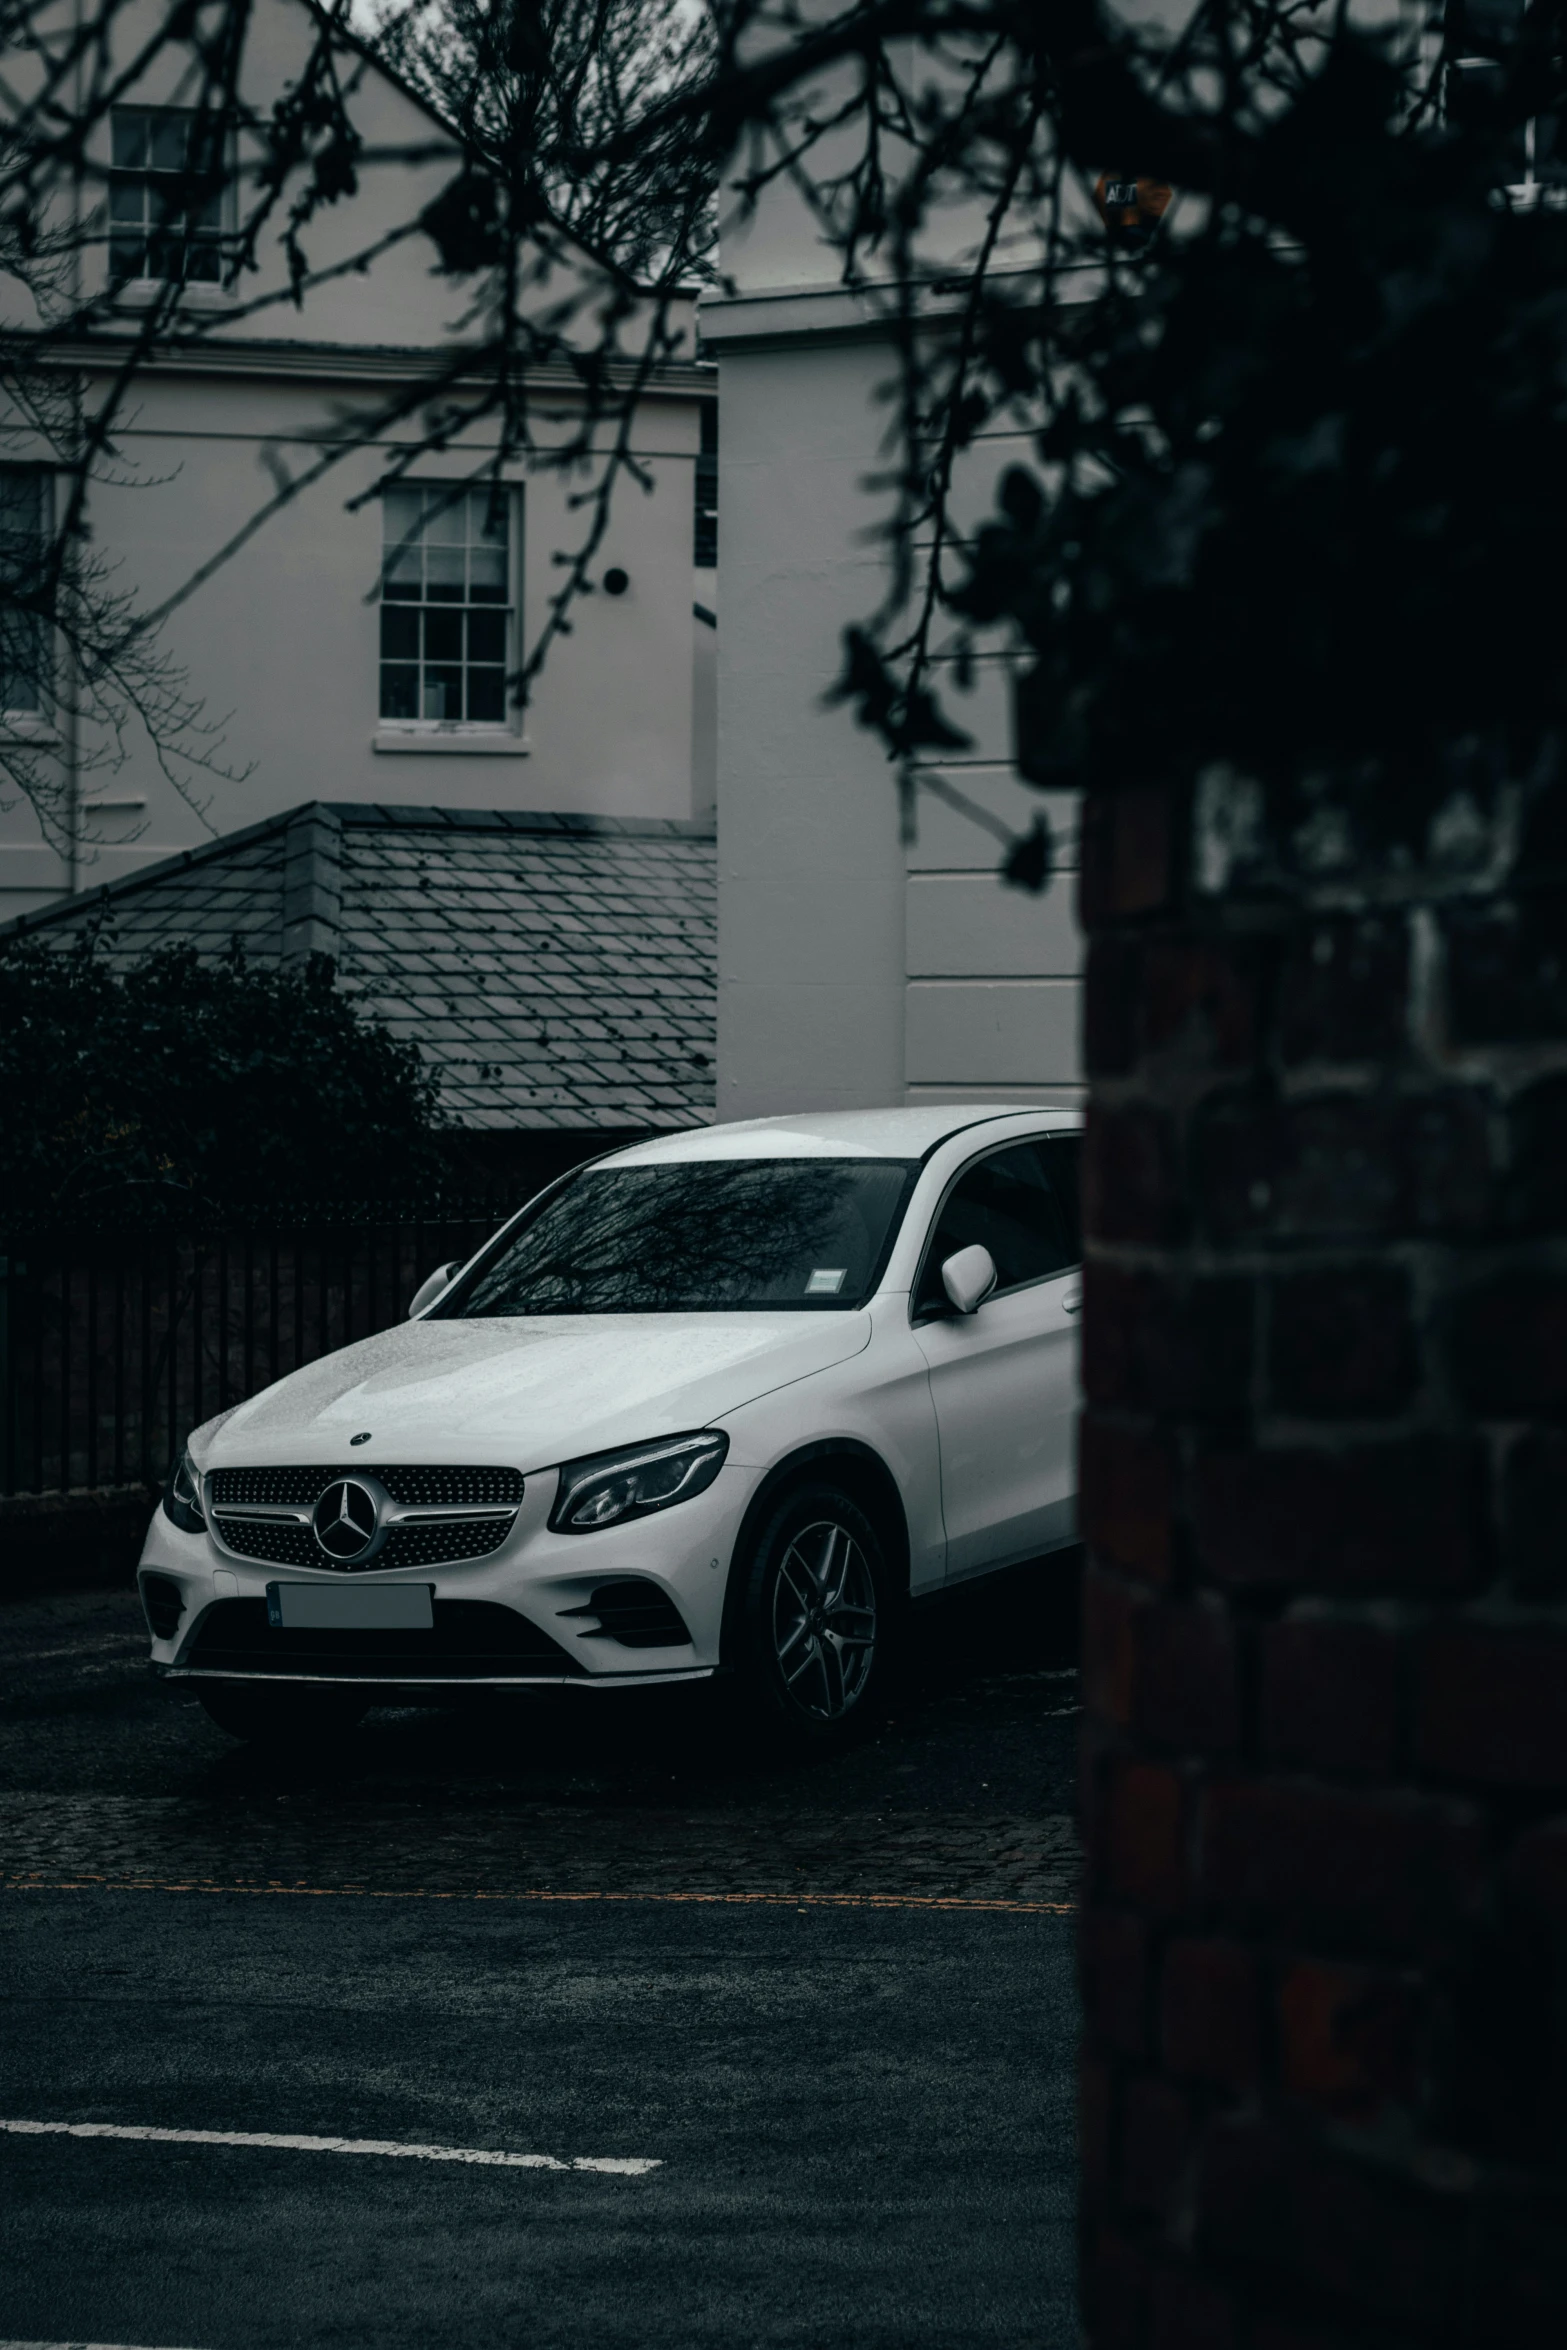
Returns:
<point x="813" y="1620"/>
<point x="281" y="1717"/>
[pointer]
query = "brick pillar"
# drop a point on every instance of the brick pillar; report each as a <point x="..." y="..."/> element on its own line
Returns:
<point x="1324" y="1461"/>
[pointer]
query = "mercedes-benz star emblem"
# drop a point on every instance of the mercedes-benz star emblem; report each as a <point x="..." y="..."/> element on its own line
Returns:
<point x="346" y="1521"/>
<point x="361" y="1439"/>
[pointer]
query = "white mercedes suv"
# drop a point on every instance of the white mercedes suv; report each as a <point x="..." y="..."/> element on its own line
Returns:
<point x="725" y="1401"/>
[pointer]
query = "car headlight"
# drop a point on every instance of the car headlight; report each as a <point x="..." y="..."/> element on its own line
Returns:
<point x="182" y="1503"/>
<point x="610" y="1487"/>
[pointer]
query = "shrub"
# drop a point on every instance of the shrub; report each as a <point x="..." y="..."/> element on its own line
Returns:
<point x="168" y="1084"/>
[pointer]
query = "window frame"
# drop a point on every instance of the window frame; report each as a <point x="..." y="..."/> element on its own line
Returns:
<point x="15" y="721"/>
<point x="704" y="520"/>
<point x="919" y="1315"/>
<point x="508" y="727"/>
<point x="139" y="288"/>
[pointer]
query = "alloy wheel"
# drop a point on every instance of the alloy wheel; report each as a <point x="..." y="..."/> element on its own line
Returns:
<point x="824" y="1620"/>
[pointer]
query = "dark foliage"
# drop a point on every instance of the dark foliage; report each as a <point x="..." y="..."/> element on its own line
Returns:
<point x="1297" y="516"/>
<point x="169" y="1087"/>
<point x="1298" y="445"/>
<point x="554" y="101"/>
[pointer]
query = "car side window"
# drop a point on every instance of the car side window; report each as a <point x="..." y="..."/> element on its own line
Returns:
<point x="1061" y="1156"/>
<point x="1010" y="1205"/>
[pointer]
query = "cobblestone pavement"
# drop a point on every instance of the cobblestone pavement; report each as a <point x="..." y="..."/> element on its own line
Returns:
<point x="374" y="1848"/>
<point x="963" y="1795"/>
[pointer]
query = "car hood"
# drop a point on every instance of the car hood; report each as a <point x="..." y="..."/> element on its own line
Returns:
<point x="527" y="1393"/>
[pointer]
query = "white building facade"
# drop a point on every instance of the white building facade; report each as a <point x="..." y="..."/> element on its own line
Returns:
<point x="855" y="968"/>
<point x="356" y="646"/>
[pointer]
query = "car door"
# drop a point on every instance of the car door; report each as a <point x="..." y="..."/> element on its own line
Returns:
<point x="1004" y="1379"/>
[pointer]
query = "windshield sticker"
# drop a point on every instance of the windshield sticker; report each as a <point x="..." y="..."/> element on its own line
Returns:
<point x="826" y="1281"/>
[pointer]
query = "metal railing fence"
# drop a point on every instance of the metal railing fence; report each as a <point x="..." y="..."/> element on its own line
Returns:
<point x="114" y="1344"/>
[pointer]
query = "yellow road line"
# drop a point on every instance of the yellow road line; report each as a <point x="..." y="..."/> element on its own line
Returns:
<point x="943" y="1901"/>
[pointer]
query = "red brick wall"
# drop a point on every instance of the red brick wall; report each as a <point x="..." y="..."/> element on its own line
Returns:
<point x="1324" y="1459"/>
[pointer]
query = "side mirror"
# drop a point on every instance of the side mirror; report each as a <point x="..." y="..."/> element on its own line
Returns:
<point x="428" y="1291"/>
<point x="969" y="1277"/>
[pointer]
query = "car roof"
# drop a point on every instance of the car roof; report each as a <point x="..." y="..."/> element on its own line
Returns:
<point x="839" y="1134"/>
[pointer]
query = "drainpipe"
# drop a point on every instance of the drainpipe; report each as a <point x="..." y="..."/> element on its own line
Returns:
<point x="70" y="731"/>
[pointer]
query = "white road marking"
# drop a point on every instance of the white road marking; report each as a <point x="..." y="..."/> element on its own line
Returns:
<point x="619" y="2165"/>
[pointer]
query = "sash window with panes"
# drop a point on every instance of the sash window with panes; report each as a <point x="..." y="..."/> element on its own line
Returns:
<point x="166" y="196"/>
<point x="24" y="629"/>
<point x="446" y="611"/>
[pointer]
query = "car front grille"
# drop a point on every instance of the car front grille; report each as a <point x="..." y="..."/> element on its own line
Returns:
<point x="443" y="1530"/>
<point x="270" y="1539"/>
<point x="431" y="1545"/>
<point x="472" y="1640"/>
<point x="415" y="1488"/>
<point x="405" y="1546"/>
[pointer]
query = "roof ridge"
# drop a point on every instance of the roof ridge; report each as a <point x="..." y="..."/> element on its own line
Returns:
<point x="148" y="876"/>
<point x="398" y="816"/>
<point x="389" y="816"/>
<point x="341" y="30"/>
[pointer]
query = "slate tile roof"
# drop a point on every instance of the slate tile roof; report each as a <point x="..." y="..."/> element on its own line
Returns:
<point x="556" y="971"/>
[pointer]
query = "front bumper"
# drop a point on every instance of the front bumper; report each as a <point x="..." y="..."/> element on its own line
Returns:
<point x="537" y="1587"/>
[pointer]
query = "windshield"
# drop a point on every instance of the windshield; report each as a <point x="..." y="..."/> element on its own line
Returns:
<point x="707" y="1236"/>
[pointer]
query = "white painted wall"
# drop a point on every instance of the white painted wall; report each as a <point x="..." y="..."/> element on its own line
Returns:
<point x="854" y="969"/>
<point x="281" y="645"/>
<point x="811" y="887"/>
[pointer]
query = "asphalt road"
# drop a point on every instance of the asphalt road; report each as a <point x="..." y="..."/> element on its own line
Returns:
<point x="829" y="2009"/>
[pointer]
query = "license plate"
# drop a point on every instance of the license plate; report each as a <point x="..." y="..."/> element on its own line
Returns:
<point x="363" y="1607"/>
